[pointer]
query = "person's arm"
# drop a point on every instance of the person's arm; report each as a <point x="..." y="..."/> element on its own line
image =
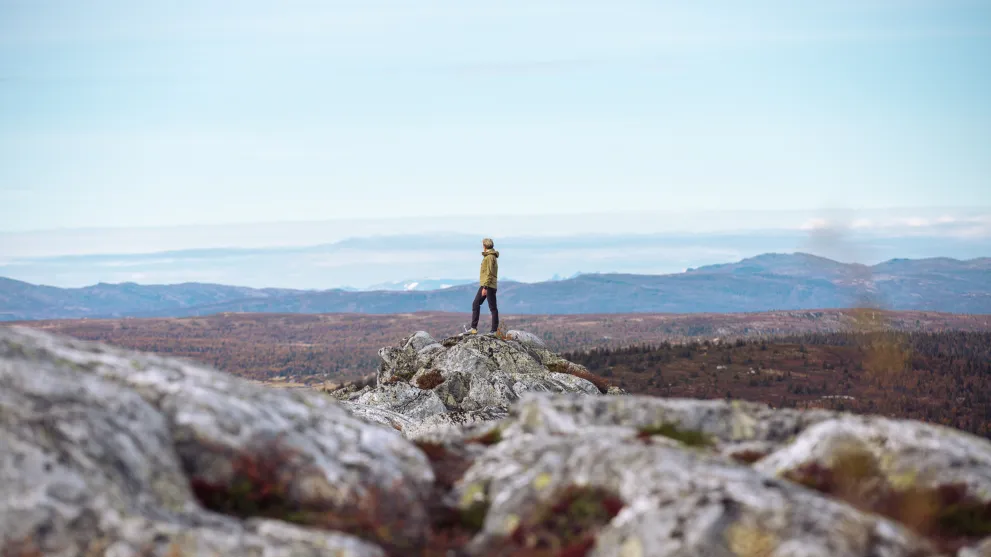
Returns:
<point x="486" y="273"/>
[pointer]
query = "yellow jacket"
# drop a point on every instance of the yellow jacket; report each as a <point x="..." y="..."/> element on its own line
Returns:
<point x="489" y="274"/>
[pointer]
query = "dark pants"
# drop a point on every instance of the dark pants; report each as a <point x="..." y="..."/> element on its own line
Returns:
<point x="476" y="307"/>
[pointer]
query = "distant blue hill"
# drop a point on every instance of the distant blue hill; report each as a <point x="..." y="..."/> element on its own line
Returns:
<point x="763" y="283"/>
<point x="419" y="284"/>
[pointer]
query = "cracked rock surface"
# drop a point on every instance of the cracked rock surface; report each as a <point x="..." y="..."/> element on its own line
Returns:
<point x="467" y="378"/>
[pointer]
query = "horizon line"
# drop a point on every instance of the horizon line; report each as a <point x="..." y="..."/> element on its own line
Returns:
<point x="345" y="288"/>
<point x="817" y="210"/>
<point x="535" y="237"/>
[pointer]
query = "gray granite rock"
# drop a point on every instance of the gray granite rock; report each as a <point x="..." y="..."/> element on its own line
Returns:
<point x="728" y="424"/>
<point x="467" y="375"/>
<point x="676" y="502"/>
<point x="111" y="452"/>
<point x="980" y="550"/>
<point x="107" y="448"/>
<point x="905" y="452"/>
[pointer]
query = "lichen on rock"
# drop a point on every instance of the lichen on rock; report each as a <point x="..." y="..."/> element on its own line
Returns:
<point x="110" y="452"/>
<point x="95" y="449"/>
<point x="421" y="377"/>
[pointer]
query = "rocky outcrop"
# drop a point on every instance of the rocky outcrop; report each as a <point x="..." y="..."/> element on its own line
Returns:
<point x="694" y="477"/>
<point x="464" y="379"/>
<point x="111" y="452"/>
<point x="669" y="501"/>
<point x="105" y="451"/>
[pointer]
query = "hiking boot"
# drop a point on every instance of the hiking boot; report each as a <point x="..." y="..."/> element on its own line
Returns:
<point x="472" y="331"/>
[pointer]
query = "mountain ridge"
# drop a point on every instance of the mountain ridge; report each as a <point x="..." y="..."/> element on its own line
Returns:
<point x="773" y="281"/>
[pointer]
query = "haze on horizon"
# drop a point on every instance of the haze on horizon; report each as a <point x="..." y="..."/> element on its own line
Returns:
<point x="131" y="128"/>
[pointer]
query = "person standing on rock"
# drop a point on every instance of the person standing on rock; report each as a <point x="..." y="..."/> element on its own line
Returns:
<point x="489" y="279"/>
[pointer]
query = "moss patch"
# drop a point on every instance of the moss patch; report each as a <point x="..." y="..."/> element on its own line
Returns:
<point x="451" y="528"/>
<point x="564" y="366"/>
<point x="565" y="528"/>
<point x="448" y="466"/>
<point x="473" y="517"/>
<point x="690" y="437"/>
<point x="747" y="456"/>
<point x="261" y="486"/>
<point x="489" y="438"/>
<point x="429" y="379"/>
<point x="258" y="487"/>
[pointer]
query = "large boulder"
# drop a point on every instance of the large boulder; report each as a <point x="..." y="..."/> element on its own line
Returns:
<point x="899" y="451"/>
<point x="746" y="429"/>
<point x="700" y="477"/>
<point x="107" y="451"/>
<point x="666" y="502"/>
<point x="467" y="378"/>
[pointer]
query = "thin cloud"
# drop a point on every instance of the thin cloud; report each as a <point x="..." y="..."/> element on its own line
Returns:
<point x="524" y="67"/>
<point x="946" y="226"/>
<point x="816" y="224"/>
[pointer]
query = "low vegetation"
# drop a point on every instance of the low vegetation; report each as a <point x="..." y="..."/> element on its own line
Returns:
<point x="747" y="456"/>
<point x="565" y="528"/>
<point x="948" y="515"/>
<point x="255" y="489"/>
<point x="429" y="379"/>
<point x="578" y="371"/>
<point x="451" y="528"/>
<point x="261" y="487"/>
<point x="21" y="548"/>
<point x="942" y="378"/>
<point x="688" y="437"/>
<point x="489" y="438"/>
<point x="316" y="348"/>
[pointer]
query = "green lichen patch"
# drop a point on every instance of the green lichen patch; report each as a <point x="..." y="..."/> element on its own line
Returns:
<point x="690" y="437"/>
<point x="750" y="541"/>
<point x="473" y="517"/>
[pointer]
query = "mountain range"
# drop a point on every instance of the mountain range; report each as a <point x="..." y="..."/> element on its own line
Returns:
<point x="416" y="284"/>
<point x="763" y="283"/>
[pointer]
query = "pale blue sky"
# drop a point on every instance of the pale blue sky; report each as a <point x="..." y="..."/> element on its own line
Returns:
<point x="125" y="114"/>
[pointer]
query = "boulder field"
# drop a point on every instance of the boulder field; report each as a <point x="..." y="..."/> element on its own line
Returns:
<point x="479" y="446"/>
